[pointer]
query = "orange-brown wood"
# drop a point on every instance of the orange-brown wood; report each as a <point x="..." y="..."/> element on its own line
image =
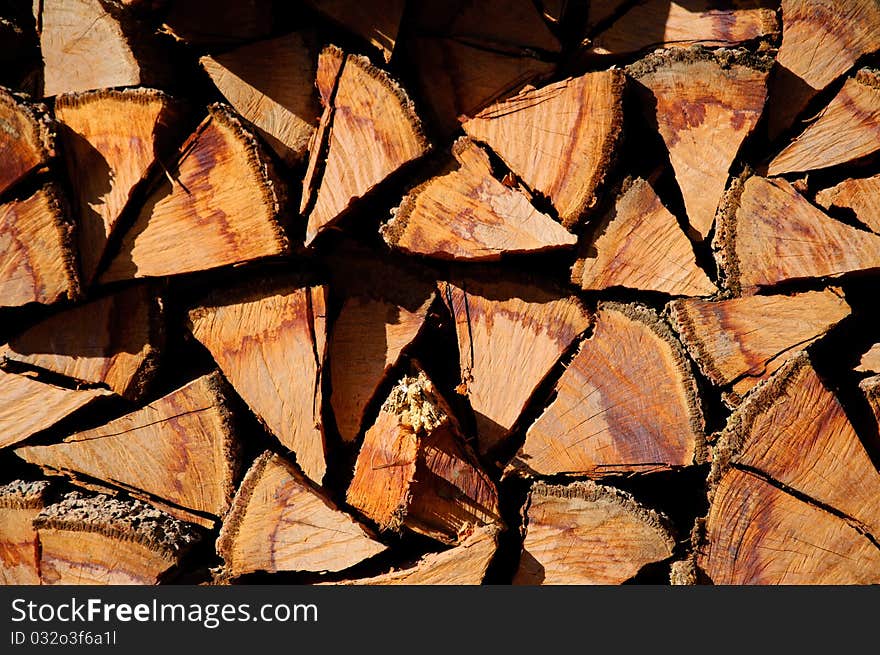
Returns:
<point x="281" y="522"/>
<point x="704" y="106"/>
<point x="271" y="84"/>
<point x="559" y="139"/>
<point x="768" y="233"/>
<point x="467" y="214"/>
<point x="376" y="22"/>
<point x="27" y="138"/>
<point x="870" y="362"/>
<point x="741" y="341"/>
<point x="639" y="245"/>
<point x="114" y="341"/>
<point x="871" y="388"/>
<point x="179" y="448"/>
<point x="28" y="406"/>
<point x="39" y="260"/>
<point x="373" y="132"/>
<point x="98" y="540"/>
<point x="20" y="502"/>
<point x="270" y="340"/>
<point x="845" y="130"/>
<point x="414" y="469"/>
<point x="510" y="335"/>
<point x="584" y="533"/>
<point x="198" y="218"/>
<point x="627" y="403"/>
<point x="860" y="195"/>
<point x="112" y="141"/>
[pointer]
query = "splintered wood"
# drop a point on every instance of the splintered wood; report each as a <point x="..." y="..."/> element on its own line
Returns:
<point x="584" y="533"/>
<point x="26" y="138"/>
<point x="627" y="402"/>
<point x="271" y="344"/>
<point x="414" y="469"/>
<point x="468" y="214"/>
<point x="280" y="522"/>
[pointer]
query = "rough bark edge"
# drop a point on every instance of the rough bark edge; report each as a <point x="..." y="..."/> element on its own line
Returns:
<point x="139" y="95"/>
<point x="871" y="388"/>
<point x="220" y="389"/>
<point x="724" y="241"/>
<point x="24" y="494"/>
<point x="149" y="366"/>
<point x="592" y="492"/>
<point x="726" y="58"/>
<point x="684" y="326"/>
<point x="65" y="227"/>
<point x="124" y="520"/>
<point x="259" y="288"/>
<point x="654" y="321"/>
<point x="43" y="128"/>
<point x="869" y="77"/>
<point x="760" y="399"/>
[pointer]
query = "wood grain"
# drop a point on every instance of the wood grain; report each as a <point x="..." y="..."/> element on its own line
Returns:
<point x="20" y="502"/>
<point x="27" y="138"/>
<point x="860" y="195"/>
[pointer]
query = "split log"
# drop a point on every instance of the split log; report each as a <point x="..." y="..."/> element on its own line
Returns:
<point x="36" y="238"/>
<point x="112" y="341"/>
<point x="377" y="23"/>
<point x="793" y="431"/>
<point x="465" y="564"/>
<point x="27" y="139"/>
<point x="661" y="23"/>
<point x="509" y="332"/>
<point x="704" y="105"/>
<point x="559" y="139"/>
<point x="627" y="403"/>
<point x="584" y="533"/>
<point x="280" y="522"/>
<point x="98" y="540"/>
<point x="860" y="195"/>
<point x="467" y="214"/>
<point x="846" y="30"/>
<point x="94" y="44"/>
<point x="768" y="233"/>
<point x="20" y="503"/>
<point x="364" y="107"/>
<point x="758" y="533"/>
<point x="28" y="406"/>
<point x="383" y="312"/>
<point x="741" y="341"/>
<point x="179" y="449"/>
<point x="639" y="245"/>
<point x="844" y="131"/>
<point x="231" y="223"/>
<point x="112" y="141"/>
<point x="870" y="362"/>
<point x="415" y="470"/>
<point x="270" y="83"/>
<point x="218" y="23"/>
<point x="270" y="340"/>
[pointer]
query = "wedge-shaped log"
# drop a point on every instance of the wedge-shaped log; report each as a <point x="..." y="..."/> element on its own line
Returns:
<point x="510" y="335"/>
<point x="94" y="44"/>
<point x="222" y="195"/>
<point x="465" y="564"/>
<point x="756" y="533"/>
<point x="114" y="341"/>
<point x="28" y="406"/>
<point x="639" y="245"/>
<point x="280" y="522"/>
<point x="768" y="233"/>
<point x="271" y="84"/>
<point x="377" y="22"/>
<point x="794" y="431"/>
<point x="661" y="23"/>
<point x="584" y="533"/>
<point x="846" y="30"/>
<point x="870" y="362"/>
<point x="27" y="140"/>
<point x="467" y="214"/>
<point x="861" y="195"/>
<point x="179" y="449"/>
<point x="741" y="341"/>
<point x="20" y="502"/>
<point x="559" y="139"/>
<point x="363" y="107"/>
<point x="415" y="470"/>
<point x="270" y="341"/>
<point x="112" y="141"/>
<point x="99" y="540"/>
<point x="847" y="129"/>
<point x="704" y="105"/>
<point x="627" y="403"/>
<point x="39" y="260"/>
